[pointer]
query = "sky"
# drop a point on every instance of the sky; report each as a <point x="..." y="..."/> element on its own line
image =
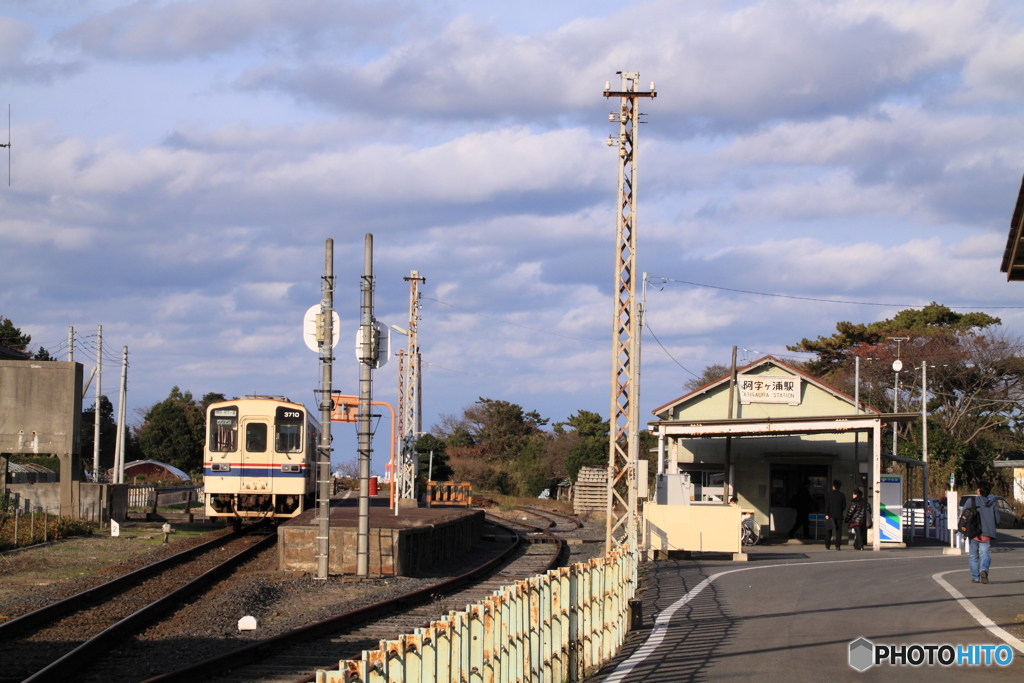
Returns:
<point x="176" y="167"/>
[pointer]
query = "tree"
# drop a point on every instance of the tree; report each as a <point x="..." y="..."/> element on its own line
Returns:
<point x="500" y="428"/>
<point x="590" y="447"/>
<point x="211" y="398"/>
<point x="975" y="381"/>
<point x="426" y="444"/>
<point x="498" y="446"/>
<point x="11" y="336"/>
<point x="836" y="351"/>
<point x="108" y="434"/>
<point x="174" y="430"/>
<point x="711" y="374"/>
<point x="42" y="354"/>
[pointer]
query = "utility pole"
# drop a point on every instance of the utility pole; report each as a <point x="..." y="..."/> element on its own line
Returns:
<point x="410" y="400"/>
<point x="727" y="476"/>
<point x="924" y="441"/>
<point x="367" y="360"/>
<point x="71" y="344"/>
<point x="396" y="448"/>
<point x="96" y="407"/>
<point x="897" y="365"/>
<point x="624" y="435"/>
<point x="121" y="416"/>
<point x="325" y="341"/>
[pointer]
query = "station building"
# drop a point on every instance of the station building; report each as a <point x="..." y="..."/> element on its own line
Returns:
<point x="785" y="428"/>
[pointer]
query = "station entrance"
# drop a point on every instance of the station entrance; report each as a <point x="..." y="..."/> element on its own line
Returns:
<point x="785" y="480"/>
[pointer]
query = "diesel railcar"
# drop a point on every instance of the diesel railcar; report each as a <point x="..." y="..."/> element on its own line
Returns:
<point x="260" y="458"/>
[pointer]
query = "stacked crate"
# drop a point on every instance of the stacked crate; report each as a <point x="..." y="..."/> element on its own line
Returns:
<point x="591" y="490"/>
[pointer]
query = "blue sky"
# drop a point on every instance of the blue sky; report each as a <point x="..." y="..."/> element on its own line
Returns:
<point x="177" y="167"/>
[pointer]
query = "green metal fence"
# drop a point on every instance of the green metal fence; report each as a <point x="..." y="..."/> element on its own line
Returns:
<point x="554" y="627"/>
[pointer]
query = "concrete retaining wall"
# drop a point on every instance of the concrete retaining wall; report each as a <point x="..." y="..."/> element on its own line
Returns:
<point x="393" y="551"/>
<point x="91" y="500"/>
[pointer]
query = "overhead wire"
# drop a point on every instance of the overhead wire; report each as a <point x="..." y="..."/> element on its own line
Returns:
<point x="648" y="326"/>
<point x="820" y="300"/>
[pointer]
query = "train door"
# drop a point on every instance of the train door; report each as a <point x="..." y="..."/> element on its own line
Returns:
<point x="257" y="464"/>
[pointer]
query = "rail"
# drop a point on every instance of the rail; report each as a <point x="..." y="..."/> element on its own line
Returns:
<point x="557" y="626"/>
<point x="263" y="649"/>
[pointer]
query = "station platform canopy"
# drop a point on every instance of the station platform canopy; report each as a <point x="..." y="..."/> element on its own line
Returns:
<point x="818" y="424"/>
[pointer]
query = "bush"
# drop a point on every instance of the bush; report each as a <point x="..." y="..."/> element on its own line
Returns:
<point x="46" y="527"/>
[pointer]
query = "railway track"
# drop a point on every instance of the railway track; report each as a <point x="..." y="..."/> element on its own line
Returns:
<point x="292" y="657"/>
<point x="58" y="641"/>
<point x="570" y="521"/>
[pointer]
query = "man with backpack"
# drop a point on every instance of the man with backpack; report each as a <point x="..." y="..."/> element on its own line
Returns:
<point x="978" y="523"/>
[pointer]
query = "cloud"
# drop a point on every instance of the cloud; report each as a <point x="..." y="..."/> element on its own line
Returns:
<point x="114" y="185"/>
<point x="18" y="61"/>
<point x="718" y="69"/>
<point x="146" y="30"/>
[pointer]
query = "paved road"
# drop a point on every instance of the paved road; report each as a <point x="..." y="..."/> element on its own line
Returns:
<point x="791" y="612"/>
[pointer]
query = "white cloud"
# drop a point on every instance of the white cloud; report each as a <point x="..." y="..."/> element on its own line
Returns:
<point x="182" y="30"/>
<point x="857" y="150"/>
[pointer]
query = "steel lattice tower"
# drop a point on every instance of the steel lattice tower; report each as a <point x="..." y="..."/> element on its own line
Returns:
<point x="624" y="440"/>
<point x="409" y="397"/>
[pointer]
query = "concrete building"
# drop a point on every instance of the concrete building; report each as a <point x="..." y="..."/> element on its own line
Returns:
<point x="786" y="428"/>
<point x="40" y="414"/>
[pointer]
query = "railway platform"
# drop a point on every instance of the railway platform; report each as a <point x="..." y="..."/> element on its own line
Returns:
<point x="410" y="543"/>
<point x="792" y="613"/>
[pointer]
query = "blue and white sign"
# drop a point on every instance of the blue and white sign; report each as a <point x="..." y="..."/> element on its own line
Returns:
<point x="890" y="504"/>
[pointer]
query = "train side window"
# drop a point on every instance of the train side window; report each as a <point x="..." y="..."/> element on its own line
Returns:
<point x="224" y="430"/>
<point x="288" y="438"/>
<point x="256" y="437"/>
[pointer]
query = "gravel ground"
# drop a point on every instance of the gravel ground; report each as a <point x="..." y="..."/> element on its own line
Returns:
<point x="208" y="625"/>
<point x="34" y="577"/>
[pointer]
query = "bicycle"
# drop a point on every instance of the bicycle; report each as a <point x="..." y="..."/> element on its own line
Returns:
<point x="750" y="531"/>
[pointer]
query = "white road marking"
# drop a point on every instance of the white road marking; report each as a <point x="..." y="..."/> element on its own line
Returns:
<point x="661" y="623"/>
<point x="978" y="615"/>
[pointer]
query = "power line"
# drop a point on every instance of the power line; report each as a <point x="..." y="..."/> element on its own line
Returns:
<point x="507" y="322"/>
<point x="648" y="326"/>
<point x="461" y="372"/>
<point x="809" y="298"/>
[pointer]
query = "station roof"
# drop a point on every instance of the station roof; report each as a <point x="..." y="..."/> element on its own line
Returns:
<point x="818" y="424"/>
<point x="1013" y="257"/>
<point x="10" y="354"/>
<point x="769" y="360"/>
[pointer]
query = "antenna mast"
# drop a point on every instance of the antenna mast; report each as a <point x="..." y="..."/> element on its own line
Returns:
<point x="409" y="401"/>
<point x="8" y="145"/>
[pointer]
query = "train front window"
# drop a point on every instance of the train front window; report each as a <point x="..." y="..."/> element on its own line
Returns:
<point x="224" y="430"/>
<point x="288" y="430"/>
<point x="288" y="439"/>
<point x="256" y="437"/>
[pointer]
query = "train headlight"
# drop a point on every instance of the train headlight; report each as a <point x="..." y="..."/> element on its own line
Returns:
<point x="291" y="468"/>
<point x="220" y="467"/>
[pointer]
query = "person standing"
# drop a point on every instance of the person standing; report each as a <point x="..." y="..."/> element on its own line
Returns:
<point x="981" y="545"/>
<point x="803" y="503"/>
<point x="835" y="504"/>
<point x="857" y="518"/>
